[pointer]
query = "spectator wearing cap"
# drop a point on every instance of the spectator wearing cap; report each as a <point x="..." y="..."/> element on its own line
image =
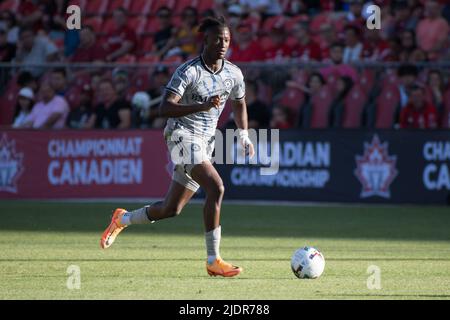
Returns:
<point x="353" y="46"/>
<point x="433" y="31"/>
<point x="88" y="50"/>
<point x="418" y="113"/>
<point x="244" y="47"/>
<point x="49" y="113"/>
<point x="305" y="49"/>
<point x="25" y="101"/>
<point x="7" y="50"/>
<point x="78" y="117"/>
<point x="112" y="112"/>
<point x="122" y="39"/>
<point x="278" y="50"/>
<point x="164" y="33"/>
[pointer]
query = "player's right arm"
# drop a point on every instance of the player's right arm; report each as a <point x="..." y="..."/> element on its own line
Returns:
<point x="171" y="108"/>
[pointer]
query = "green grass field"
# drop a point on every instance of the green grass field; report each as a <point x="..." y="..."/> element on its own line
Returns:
<point x="39" y="241"/>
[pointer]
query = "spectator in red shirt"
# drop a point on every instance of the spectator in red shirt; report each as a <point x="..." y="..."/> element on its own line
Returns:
<point x="88" y="50"/>
<point x="121" y="40"/>
<point x="244" y="47"/>
<point x="433" y="31"/>
<point x="327" y="36"/>
<point x="282" y="118"/>
<point x="418" y="114"/>
<point x="305" y="49"/>
<point x="374" y="48"/>
<point x="338" y="67"/>
<point x="279" y="50"/>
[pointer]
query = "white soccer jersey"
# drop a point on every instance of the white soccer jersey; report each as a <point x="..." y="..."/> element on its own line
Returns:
<point x="194" y="82"/>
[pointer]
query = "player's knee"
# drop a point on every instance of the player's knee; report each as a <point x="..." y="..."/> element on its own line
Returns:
<point x="216" y="191"/>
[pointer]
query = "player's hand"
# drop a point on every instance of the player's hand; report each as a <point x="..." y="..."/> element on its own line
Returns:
<point x="214" y="102"/>
<point x="246" y="143"/>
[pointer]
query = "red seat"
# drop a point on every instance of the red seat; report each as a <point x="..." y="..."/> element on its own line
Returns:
<point x="445" y="123"/>
<point x="109" y="26"/>
<point x="353" y="107"/>
<point x="96" y="8"/>
<point x="8" y="102"/>
<point x="321" y="103"/>
<point x="389" y="79"/>
<point x="141" y="7"/>
<point x="146" y="45"/>
<point x="367" y="80"/>
<point x="138" y="24"/>
<point x="204" y="5"/>
<point x="156" y="4"/>
<point x="386" y="107"/>
<point x="9" y="5"/>
<point x="294" y="99"/>
<point x="115" y="4"/>
<point x="94" y="22"/>
<point x="181" y="4"/>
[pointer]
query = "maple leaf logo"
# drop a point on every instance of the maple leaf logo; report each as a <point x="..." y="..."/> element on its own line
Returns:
<point x="11" y="166"/>
<point x="375" y="169"/>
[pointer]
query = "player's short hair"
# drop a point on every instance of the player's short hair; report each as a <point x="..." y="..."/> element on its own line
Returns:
<point x="209" y="23"/>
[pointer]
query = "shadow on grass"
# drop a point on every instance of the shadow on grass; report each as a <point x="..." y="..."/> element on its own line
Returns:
<point x="402" y="223"/>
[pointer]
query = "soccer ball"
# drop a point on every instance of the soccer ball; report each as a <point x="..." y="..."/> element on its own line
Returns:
<point x="141" y="100"/>
<point x="307" y="263"/>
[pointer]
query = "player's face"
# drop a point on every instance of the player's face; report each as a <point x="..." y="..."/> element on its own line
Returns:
<point x="217" y="42"/>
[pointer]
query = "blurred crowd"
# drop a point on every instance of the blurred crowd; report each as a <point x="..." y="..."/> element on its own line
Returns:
<point x="297" y="33"/>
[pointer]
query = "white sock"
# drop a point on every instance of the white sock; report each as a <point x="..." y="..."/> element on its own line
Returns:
<point x="212" y="239"/>
<point x="126" y="219"/>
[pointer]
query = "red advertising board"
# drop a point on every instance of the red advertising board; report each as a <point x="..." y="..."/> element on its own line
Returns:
<point x="83" y="164"/>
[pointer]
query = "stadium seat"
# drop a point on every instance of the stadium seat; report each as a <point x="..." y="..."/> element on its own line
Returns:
<point x="8" y="102"/>
<point x="115" y="4"/>
<point x="109" y="25"/>
<point x="140" y="7"/>
<point x="353" y="107"/>
<point x="141" y="80"/>
<point x="181" y="4"/>
<point x="445" y="121"/>
<point x="10" y="5"/>
<point x="294" y="99"/>
<point x="81" y="3"/>
<point x="389" y="78"/>
<point x="138" y="24"/>
<point x="321" y="103"/>
<point x="386" y="107"/>
<point x="367" y="80"/>
<point x="204" y="5"/>
<point x="156" y="4"/>
<point x="96" y="8"/>
<point x="94" y="22"/>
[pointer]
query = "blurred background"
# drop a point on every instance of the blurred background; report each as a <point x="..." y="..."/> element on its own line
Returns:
<point x="308" y="65"/>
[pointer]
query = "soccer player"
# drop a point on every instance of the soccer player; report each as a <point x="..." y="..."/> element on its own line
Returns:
<point x="193" y="102"/>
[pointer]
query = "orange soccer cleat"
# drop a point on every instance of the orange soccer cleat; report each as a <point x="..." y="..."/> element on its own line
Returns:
<point x="222" y="268"/>
<point x="113" y="230"/>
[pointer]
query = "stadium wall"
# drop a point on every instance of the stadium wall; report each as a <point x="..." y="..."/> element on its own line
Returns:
<point x="314" y="165"/>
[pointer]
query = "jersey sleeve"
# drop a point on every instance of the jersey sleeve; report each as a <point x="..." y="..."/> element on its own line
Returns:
<point x="238" y="91"/>
<point x="180" y="80"/>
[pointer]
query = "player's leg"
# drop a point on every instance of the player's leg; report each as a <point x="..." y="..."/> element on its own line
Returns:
<point x="176" y="198"/>
<point x="208" y="178"/>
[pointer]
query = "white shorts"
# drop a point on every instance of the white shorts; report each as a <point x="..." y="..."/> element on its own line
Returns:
<point x="187" y="150"/>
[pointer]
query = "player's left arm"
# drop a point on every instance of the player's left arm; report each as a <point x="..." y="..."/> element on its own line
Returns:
<point x="241" y="119"/>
